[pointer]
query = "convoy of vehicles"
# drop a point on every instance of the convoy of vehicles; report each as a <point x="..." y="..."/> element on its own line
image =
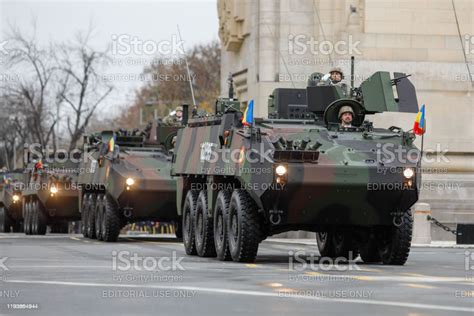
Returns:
<point x="229" y="182"/>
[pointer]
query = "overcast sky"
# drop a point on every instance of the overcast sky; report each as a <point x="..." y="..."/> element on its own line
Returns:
<point x="151" y="22"/>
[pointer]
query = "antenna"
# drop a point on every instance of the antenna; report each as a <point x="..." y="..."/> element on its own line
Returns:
<point x="231" y="86"/>
<point x="322" y="29"/>
<point x="187" y="66"/>
<point x="281" y="56"/>
<point x="462" y="45"/>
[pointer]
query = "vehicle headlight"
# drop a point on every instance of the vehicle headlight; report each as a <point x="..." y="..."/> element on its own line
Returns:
<point x="130" y="182"/>
<point x="16" y="197"/>
<point x="281" y="170"/>
<point x="408" y="173"/>
<point x="53" y="190"/>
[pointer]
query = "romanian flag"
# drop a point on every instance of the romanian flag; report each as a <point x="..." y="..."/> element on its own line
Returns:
<point x="112" y="144"/>
<point x="420" y="123"/>
<point x="247" y="120"/>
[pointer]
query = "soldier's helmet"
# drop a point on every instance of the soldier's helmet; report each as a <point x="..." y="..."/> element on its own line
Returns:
<point x="179" y="108"/>
<point x="337" y="69"/>
<point x="345" y="109"/>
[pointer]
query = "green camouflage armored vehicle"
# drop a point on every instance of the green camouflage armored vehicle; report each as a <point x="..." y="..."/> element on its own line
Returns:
<point x="300" y="169"/>
<point x="11" y="216"/>
<point x="50" y="195"/>
<point x="126" y="179"/>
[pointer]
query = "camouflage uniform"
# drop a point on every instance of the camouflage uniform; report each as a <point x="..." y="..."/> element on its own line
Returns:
<point x="173" y="119"/>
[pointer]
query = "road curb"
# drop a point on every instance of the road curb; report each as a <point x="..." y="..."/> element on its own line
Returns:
<point x="434" y="244"/>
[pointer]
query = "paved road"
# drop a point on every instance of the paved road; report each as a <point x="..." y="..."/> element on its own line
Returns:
<point x="69" y="275"/>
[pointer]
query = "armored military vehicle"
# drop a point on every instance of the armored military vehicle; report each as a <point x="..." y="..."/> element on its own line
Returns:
<point x="127" y="179"/>
<point x="50" y="195"/>
<point x="11" y="216"/>
<point x="300" y="169"/>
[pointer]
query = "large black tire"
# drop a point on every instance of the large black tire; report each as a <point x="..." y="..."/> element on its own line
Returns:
<point x="85" y="215"/>
<point x="203" y="228"/>
<point x="394" y="243"/>
<point x="111" y="221"/>
<point x="324" y="240"/>
<point x="5" y="222"/>
<point x="178" y="226"/>
<point x="221" y="215"/>
<point x="26" y="217"/>
<point x="39" y="221"/>
<point x="91" y="216"/>
<point x="369" y="251"/>
<point x="245" y="231"/>
<point x="337" y="244"/>
<point x="188" y="222"/>
<point x="99" y="217"/>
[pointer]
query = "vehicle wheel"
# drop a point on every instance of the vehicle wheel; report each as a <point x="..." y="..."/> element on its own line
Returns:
<point x="337" y="244"/>
<point x="34" y="219"/>
<point x="91" y="216"/>
<point x="188" y="222"/>
<point x="84" y="215"/>
<point x="221" y="214"/>
<point x="112" y="223"/>
<point x="244" y="234"/>
<point x="99" y="216"/>
<point x="394" y="243"/>
<point x="26" y="218"/>
<point x="4" y="221"/>
<point x="40" y="221"/>
<point x="324" y="240"/>
<point x="369" y="252"/>
<point x="178" y="226"/>
<point x="203" y="228"/>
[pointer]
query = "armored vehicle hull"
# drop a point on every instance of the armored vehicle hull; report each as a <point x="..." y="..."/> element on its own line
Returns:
<point x="352" y="185"/>
<point x="50" y="196"/>
<point x="128" y="184"/>
<point x="11" y="216"/>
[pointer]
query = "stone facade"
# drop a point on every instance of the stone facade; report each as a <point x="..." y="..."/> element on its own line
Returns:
<point x="278" y="43"/>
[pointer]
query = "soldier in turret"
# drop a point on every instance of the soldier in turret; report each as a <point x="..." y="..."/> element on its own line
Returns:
<point x="346" y="115"/>
<point x="174" y="118"/>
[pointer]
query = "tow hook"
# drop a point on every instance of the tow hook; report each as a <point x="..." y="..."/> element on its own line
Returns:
<point x="127" y="212"/>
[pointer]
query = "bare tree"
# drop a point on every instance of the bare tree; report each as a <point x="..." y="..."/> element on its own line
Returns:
<point x="29" y="95"/>
<point x="80" y="86"/>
